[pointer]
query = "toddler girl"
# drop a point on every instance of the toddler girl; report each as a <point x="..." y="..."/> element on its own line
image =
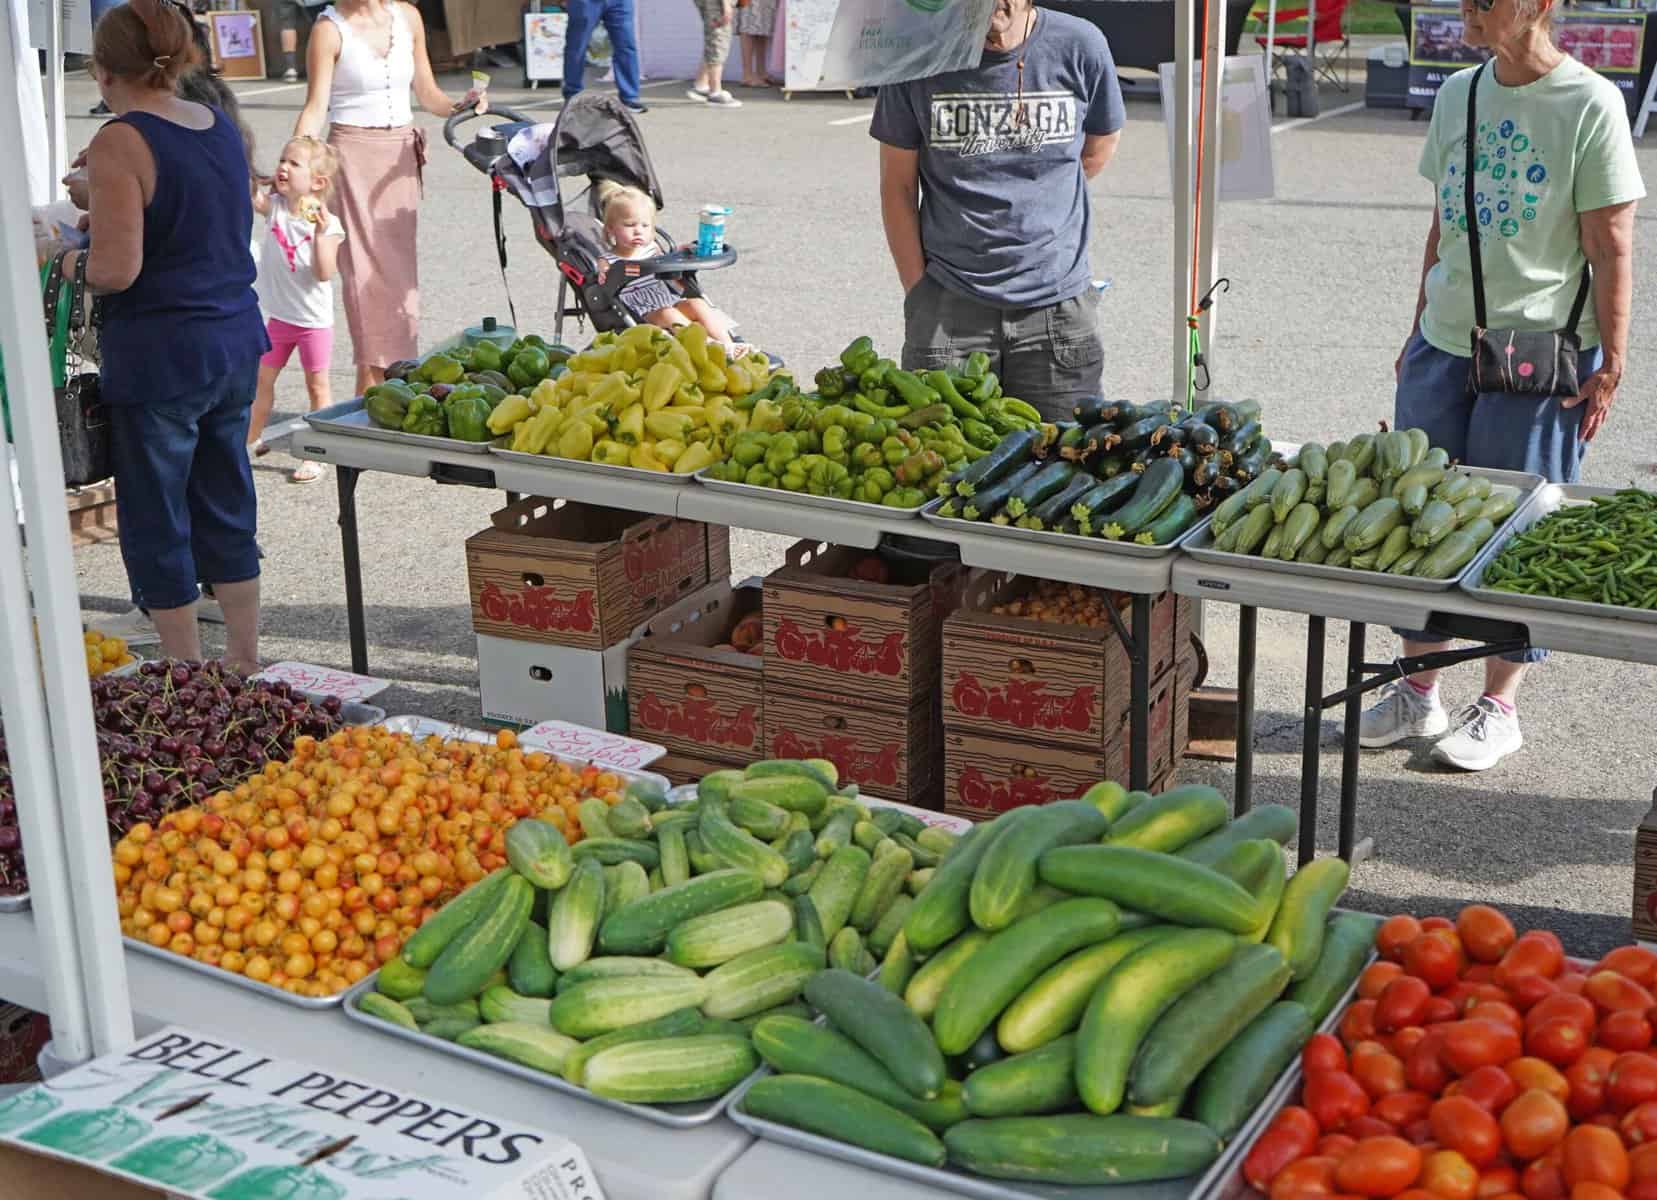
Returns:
<point x="629" y="217"/>
<point x="298" y="259"/>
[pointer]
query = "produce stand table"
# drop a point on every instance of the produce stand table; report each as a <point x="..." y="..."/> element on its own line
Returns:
<point x="1142" y="578"/>
<point x="618" y="1146"/>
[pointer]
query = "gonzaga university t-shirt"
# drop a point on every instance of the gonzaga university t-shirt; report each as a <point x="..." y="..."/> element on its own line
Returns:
<point x="1004" y="204"/>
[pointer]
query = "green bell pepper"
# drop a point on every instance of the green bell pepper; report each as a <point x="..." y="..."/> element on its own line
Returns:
<point x="860" y="355"/>
<point x="830" y="383"/>
<point x="904" y="497"/>
<point x="865" y="455"/>
<point x="467" y="417"/>
<point x="783" y="450"/>
<point x="874" y="377"/>
<point x="976" y="366"/>
<point x="529" y="366"/>
<point x="836" y="442"/>
<point x="387" y="403"/>
<point x="425" y="416"/>
<point x="760" y="475"/>
<point x="440" y="368"/>
<point x="486" y="356"/>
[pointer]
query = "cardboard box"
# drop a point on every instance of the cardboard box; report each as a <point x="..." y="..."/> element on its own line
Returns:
<point x="1016" y="677"/>
<point x="696" y="700"/>
<point x="680" y="768"/>
<point x="23" y="1034"/>
<point x="827" y="632"/>
<point x="578" y="575"/>
<point x="886" y="751"/>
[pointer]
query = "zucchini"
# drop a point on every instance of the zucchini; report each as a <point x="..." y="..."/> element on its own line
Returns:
<point x="1253" y="529"/>
<point x="1078" y="1149"/>
<point x="1170" y="888"/>
<point x="1338" y="483"/>
<point x="1052" y="510"/>
<point x="1044" y="483"/>
<point x="422" y="949"/>
<point x="1427" y="475"/>
<point x="529" y="1043"/>
<point x="1314" y="461"/>
<point x="1360" y="452"/>
<point x="1290" y="490"/>
<point x="1054" y="1003"/>
<point x="1364" y="493"/>
<point x="1073" y="443"/>
<point x="1244" y="438"/>
<point x="1420" y="444"/>
<point x="1372" y="526"/>
<point x="1499" y="505"/>
<point x="1340" y="556"/>
<point x="739" y="848"/>
<point x="1222" y="416"/>
<point x="1139" y="434"/>
<point x="1103" y="498"/>
<point x="642" y="927"/>
<point x="1157" y="488"/>
<point x="1259" y="492"/>
<point x="845" y="1114"/>
<point x="1274" y="543"/>
<point x="681" y="1022"/>
<point x="717" y="937"/>
<point x="1006" y="875"/>
<point x="1314" y="551"/>
<point x="599" y="1006"/>
<point x="990" y="500"/>
<point x="572" y="923"/>
<point x="1394" y="548"/>
<point x="1231" y="510"/>
<point x="1348" y="944"/>
<point x="835" y="890"/>
<point x="1200" y="435"/>
<point x="1171" y="820"/>
<point x="997" y="464"/>
<point x="537" y="851"/>
<point x="529" y="970"/>
<point x="1392" y="455"/>
<point x="1299" y="527"/>
<point x="1275" y="821"/>
<point x="1174" y="520"/>
<point x="1234" y="1084"/>
<point x="760" y="979"/>
<point x="883" y="1025"/>
<point x="1413" y="498"/>
<point x="1455" y="551"/>
<point x="483" y="947"/>
<point x="1468" y="510"/>
<point x="1038" y="1081"/>
<point x="1407" y="561"/>
<point x="671" y="1070"/>
<point x="1454" y="488"/>
<point x="1298" y="928"/>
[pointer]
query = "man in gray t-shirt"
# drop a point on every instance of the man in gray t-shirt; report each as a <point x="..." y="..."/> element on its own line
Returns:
<point x="983" y="191"/>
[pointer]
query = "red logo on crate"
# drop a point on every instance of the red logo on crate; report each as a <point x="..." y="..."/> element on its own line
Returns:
<point x="1024" y="702"/>
<point x="856" y="764"/>
<point x="699" y="720"/>
<point x="975" y="791"/>
<point x="538" y="608"/>
<point x="840" y="649"/>
<point x="662" y="552"/>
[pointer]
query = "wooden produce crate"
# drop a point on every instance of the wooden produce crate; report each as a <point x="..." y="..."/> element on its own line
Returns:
<point x="92" y="514"/>
<point x="828" y="632"/>
<point x="691" y="695"/>
<point x="1013" y="676"/>
<point x="1185" y="680"/>
<point x="890" y="753"/>
<point x="585" y="576"/>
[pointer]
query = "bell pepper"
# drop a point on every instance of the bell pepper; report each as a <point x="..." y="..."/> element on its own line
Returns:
<point x="667" y="449"/>
<point x="636" y="336"/>
<point x="387" y="403"/>
<point x="760" y="475"/>
<point x="629" y="427"/>
<point x="540" y="430"/>
<point x="830" y="416"/>
<point x="593" y="358"/>
<point x="440" y="368"/>
<point x="694" y="459"/>
<point x="628" y="358"/>
<point x="643" y="457"/>
<point x="425" y="416"/>
<point x="987" y="388"/>
<point x="615" y="392"/>
<point x="911" y="389"/>
<point x="811" y="442"/>
<point x="976" y="366"/>
<point x="610" y="453"/>
<point x="860" y="355"/>
<point x="659" y="385"/>
<point x="784" y="449"/>
<point x="749" y="448"/>
<point x="668" y="424"/>
<point x="688" y="394"/>
<point x="874" y="377"/>
<point x="767" y="417"/>
<point x="865" y="455"/>
<point x="904" y="497"/>
<point x="721" y="418"/>
<point x="486" y="356"/>
<point x="694" y="338"/>
<point x="793" y="479"/>
<point x="830" y="383"/>
<point x="575" y="440"/>
<point x="979" y="434"/>
<point x="529" y="367"/>
<point x="893" y="452"/>
<point x="508" y="414"/>
<point x="467" y="417"/>
<point x="837" y="442"/>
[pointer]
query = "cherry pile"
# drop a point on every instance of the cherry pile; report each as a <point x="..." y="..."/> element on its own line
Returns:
<point x="172" y="735"/>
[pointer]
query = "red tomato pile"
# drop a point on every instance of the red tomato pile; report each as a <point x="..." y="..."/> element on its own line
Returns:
<point x="1476" y="1064"/>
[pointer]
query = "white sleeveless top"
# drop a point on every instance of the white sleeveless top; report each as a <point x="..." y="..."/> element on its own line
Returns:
<point x="370" y="90"/>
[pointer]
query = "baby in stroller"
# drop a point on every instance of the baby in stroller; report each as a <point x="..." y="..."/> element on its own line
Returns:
<point x="629" y="218"/>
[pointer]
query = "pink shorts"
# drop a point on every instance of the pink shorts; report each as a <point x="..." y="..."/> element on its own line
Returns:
<point x="316" y="346"/>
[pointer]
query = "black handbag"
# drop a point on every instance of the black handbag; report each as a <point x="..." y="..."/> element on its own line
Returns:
<point x="1527" y="362"/>
<point x="83" y="427"/>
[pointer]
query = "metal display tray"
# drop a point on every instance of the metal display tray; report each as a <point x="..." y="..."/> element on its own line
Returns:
<point x="783" y="496"/>
<point x="351" y="418"/>
<point x="1210" y="1183"/>
<point x="552" y="461"/>
<point x="1202" y="549"/>
<point x="674" y="1116"/>
<point x="1549" y="498"/>
<point x="233" y="979"/>
<point x="424" y="727"/>
<point x="1068" y="541"/>
<point x="17" y="903"/>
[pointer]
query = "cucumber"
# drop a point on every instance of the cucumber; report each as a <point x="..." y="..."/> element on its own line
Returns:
<point x="642" y="927"/>
<point x="1348" y="940"/>
<point x="377" y="1004"/>
<point x="994" y="976"/>
<point x="1158" y="486"/>
<point x="399" y="980"/>
<point x="792" y="786"/>
<point x="759" y="817"/>
<point x="681" y="1022"/>
<point x="760" y="979"/>
<point x="1007" y="873"/>
<point x="846" y="952"/>
<point x="835" y="890"/>
<point x="792" y="1046"/>
<point x="1037" y="1081"/>
<point x="1274" y="821"/>
<point x="613" y="851"/>
<point x="423" y="948"/>
<point x="572" y="923"/>
<point x="675" y="860"/>
<point x="671" y="1070"/>
<point x="717" y="937"/>
<point x="1435" y="523"/>
<point x="1173" y="889"/>
<point x="602" y="1005"/>
<point x="836" y="831"/>
<point x="450" y="1029"/>
<point x="1053" y="1005"/>
<point x="616" y="966"/>
<point x="1234" y="1084"/>
<point x="881" y="885"/>
<point x="483" y="947"/>
<point x="1110" y="798"/>
<point x="1258" y="866"/>
<point x="991" y="500"/>
<point x="716" y="785"/>
<point x="891" y="922"/>
<point x="794" y="1008"/>
<point x="629" y="818"/>
<point x="1203" y="1021"/>
<point x="1077" y="1149"/>
<point x="594" y="816"/>
<point x="1373" y="525"/>
<point x="799" y="849"/>
<point x="833" y="1110"/>
<point x="424" y="1011"/>
<point x="926" y="988"/>
<point x="898" y="967"/>
<point x="1171" y="820"/>
<point x="624" y="883"/>
<point x="883" y="1025"/>
<point x="943" y="910"/>
<point x="1129" y="1002"/>
<point x="1297" y="930"/>
<point x="739" y="848"/>
<point x="530" y="1043"/>
<point x="537" y="851"/>
<point x="498" y="1004"/>
<point x="807" y="928"/>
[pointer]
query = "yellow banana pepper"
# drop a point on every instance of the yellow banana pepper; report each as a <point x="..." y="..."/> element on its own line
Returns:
<point x="627" y="358"/>
<point x="737" y="381"/>
<point x="688" y="395"/>
<point x="508" y="414"/>
<point x="694" y="459"/>
<point x="576" y="441"/>
<point x="711" y="377"/>
<point x="639" y="337"/>
<point x="666" y="424"/>
<point x="659" y="386"/>
<point x="614" y="392"/>
<point x="694" y="339"/>
<point x="720" y="417"/>
<point x="643" y="457"/>
<point x="766" y="417"/>
<point x="547" y="423"/>
<point x="610" y="453"/>
<point x="630" y="425"/>
<point x="697" y="413"/>
<point x="668" y="450"/>
<point x="594" y="358"/>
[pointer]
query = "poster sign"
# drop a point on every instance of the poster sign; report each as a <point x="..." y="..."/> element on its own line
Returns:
<point x="865" y="43"/>
<point x="75" y="32"/>
<point x="544" y="34"/>
<point x="238" y="50"/>
<point x="1247" y="169"/>
<point x="203" y="1118"/>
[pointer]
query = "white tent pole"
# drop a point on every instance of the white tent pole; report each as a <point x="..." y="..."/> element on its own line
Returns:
<point x="85" y="927"/>
<point x="1312" y="40"/>
<point x="57" y="129"/>
<point x="1271" y="42"/>
<point x="1208" y="254"/>
<point x="1184" y="153"/>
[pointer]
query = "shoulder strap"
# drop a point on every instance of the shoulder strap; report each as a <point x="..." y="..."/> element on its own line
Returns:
<point x="1581" y="298"/>
<point x="1472" y="212"/>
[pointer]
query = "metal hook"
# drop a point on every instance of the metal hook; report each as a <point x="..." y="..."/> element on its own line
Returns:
<point x="1221" y="284"/>
<point x="1200" y="364"/>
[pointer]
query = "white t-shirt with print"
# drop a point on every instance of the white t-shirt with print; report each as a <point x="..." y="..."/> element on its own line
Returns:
<point x="287" y="285"/>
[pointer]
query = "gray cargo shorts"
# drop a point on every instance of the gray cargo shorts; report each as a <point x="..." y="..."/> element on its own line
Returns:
<point x="1050" y="357"/>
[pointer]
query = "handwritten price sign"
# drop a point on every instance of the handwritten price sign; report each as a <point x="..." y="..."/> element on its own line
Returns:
<point x="591" y="745"/>
<point x="324" y="681"/>
<point x="947" y="821"/>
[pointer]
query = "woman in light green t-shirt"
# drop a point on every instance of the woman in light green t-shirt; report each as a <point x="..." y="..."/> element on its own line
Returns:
<point x="1556" y="183"/>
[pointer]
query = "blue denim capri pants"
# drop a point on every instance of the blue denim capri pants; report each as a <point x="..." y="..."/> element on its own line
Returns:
<point x="1499" y="430"/>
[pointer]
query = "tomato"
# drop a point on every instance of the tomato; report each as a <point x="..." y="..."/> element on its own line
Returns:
<point x="1447" y="1174"/>
<point x="1625" y="1029"/>
<point x="1632" y="1080"/>
<point x="1587" y="1077"/>
<point x="1494" y="1181"/>
<point x="1574" y="982"/>
<point x="1490" y="1087"/>
<point x="1334" y="1098"/>
<point x="1534" y="1073"/>
<point x="1401" y="1003"/>
<point x="1323" y="1052"/>
<point x="1500" y="1011"/>
<point x="1544" y="1179"/>
<point x="1474" y="1043"/>
<point x="1435" y="922"/>
<point x="1468" y="992"/>
<point x="1424" y="1068"/>
<point x="1528" y="989"/>
<point x="1407" y="1039"/>
<point x="1641" y="1189"/>
<point x="1613" y="992"/>
<point x="1402" y="1109"/>
<point x="1562" y="1006"/>
<point x="1439" y="1010"/>
<point x="1378" y="1166"/>
<point x="1460" y="1124"/>
<point x="1595" y="1191"/>
<point x="1634" y="962"/>
<point x="1335" y="1145"/>
<point x="1532" y="954"/>
<point x="1436" y="957"/>
<point x="1533" y="1124"/>
<point x="1375" y="978"/>
<point x="1560" y="1041"/>
<point x="1292" y="1134"/>
<point x="1642" y="1163"/>
<point x="1378" y="1071"/>
<point x="1485" y="932"/>
<point x="1592" y="1153"/>
<point x="1368" y="1126"/>
<point x="1639" y="1124"/>
<point x="1480" y="973"/>
<point x="1358" y="1025"/>
<point x="1313" y="1176"/>
<point x="1396" y="933"/>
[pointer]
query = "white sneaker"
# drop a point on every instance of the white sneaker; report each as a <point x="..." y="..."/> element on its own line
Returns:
<point x="1402" y="712"/>
<point x="209" y="610"/>
<point x="723" y="99"/>
<point x="290" y="76"/>
<point x="134" y="626"/>
<point x="696" y="93"/>
<point x="1484" y="735"/>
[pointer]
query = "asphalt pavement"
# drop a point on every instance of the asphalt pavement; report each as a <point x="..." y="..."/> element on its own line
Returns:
<point x="1323" y="283"/>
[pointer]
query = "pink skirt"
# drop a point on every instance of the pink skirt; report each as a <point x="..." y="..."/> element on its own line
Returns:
<point x="377" y="197"/>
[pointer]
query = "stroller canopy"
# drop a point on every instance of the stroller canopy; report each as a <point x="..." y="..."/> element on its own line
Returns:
<point x="594" y="137"/>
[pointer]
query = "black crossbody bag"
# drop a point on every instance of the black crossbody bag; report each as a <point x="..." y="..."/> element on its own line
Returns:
<point x="1527" y="362"/>
<point x="83" y="430"/>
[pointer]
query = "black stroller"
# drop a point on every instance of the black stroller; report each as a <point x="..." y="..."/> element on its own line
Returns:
<point x="596" y="138"/>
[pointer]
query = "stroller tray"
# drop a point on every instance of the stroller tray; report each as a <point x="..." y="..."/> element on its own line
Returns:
<point x="350" y="418"/>
<point x="553" y="462"/>
<point x="783" y="496"/>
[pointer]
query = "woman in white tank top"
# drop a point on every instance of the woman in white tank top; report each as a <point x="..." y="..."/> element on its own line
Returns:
<point x="364" y="58"/>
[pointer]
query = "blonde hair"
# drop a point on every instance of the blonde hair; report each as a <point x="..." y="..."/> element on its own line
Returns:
<point x="322" y="159"/>
<point x="609" y="192"/>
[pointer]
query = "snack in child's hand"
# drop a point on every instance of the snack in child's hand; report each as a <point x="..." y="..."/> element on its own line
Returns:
<point x="310" y="209"/>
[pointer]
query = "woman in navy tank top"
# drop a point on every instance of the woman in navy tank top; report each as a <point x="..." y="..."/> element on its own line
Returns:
<point x="171" y="214"/>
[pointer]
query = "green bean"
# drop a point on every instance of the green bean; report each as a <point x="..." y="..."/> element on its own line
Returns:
<point x="1600" y="552"/>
